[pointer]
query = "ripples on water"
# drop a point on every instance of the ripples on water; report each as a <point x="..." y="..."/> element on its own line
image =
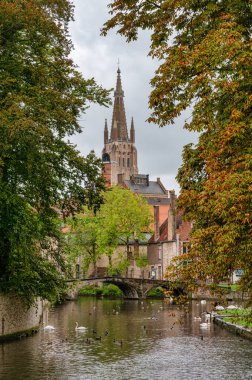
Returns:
<point x="139" y="340"/>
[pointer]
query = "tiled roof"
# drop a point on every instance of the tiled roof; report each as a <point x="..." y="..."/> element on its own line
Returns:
<point x="163" y="231"/>
<point x="159" y="201"/>
<point x="153" y="188"/>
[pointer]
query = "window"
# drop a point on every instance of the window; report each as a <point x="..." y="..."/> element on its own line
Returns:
<point x="184" y="247"/>
<point x="128" y="162"/>
<point x="160" y="252"/>
<point x="77" y="268"/>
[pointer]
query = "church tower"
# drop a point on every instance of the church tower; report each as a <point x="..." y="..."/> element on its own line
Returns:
<point x="119" y="154"/>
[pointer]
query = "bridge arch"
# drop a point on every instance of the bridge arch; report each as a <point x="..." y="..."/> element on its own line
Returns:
<point x="133" y="288"/>
<point x="128" y="290"/>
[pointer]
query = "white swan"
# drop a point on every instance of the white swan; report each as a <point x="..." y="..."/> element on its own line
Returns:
<point x="79" y="328"/>
<point x="49" y="328"/>
<point x="219" y="307"/>
<point x="204" y="325"/>
<point x="232" y="307"/>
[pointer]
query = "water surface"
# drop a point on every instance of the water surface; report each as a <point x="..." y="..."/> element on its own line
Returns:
<point x="124" y="340"/>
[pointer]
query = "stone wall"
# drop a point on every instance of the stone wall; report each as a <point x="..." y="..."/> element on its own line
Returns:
<point x="120" y="253"/>
<point x="238" y="330"/>
<point x="16" y="320"/>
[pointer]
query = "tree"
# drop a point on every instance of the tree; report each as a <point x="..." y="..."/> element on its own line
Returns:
<point x="142" y="262"/>
<point x="125" y="217"/>
<point x="204" y="49"/>
<point x="82" y="239"/>
<point x="41" y="97"/>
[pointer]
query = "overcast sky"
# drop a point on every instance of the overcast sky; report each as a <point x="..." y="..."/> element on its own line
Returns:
<point x="159" y="149"/>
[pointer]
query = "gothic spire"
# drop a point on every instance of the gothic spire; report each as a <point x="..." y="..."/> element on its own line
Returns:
<point x="119" y="125"/>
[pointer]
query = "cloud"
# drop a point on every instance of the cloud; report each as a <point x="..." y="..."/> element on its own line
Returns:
<point x="159" y="149"/>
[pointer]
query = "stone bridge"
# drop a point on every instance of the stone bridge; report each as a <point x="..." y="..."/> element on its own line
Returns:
<point x="133" y="288"/>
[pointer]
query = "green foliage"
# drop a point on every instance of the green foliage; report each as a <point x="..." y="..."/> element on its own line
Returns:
<point x="234" y="312"/>
<point x="82" y="239"/>
<point x="204" y="49"/>
<point x="156" y="292"/>
<point x="90" y="290"/>
<point x="118" y="267"/>
<point x="230" y="287"/>
<point x="142" y="261"/>
<point x="107" y="290"/>
<point x="125" y="216"/>
<point x="111" y="290"/>
<point x="41" y="98"/>
<point x="245" y="322"/>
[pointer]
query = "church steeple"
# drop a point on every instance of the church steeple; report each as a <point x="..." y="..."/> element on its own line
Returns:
<point x="119" y="130"/>
<point x="119" y="154"/>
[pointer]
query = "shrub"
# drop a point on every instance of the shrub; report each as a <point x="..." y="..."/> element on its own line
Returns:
<point x="156" y="292"/>
<point x="109" y="290"/>
<point x="89" y="290"/>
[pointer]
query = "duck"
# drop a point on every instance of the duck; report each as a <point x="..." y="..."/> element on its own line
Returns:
<point x="79" y="328"/>
<point x="119" y="342"/>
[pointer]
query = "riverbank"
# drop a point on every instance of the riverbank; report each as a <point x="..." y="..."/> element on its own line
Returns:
<point x="233" y="328"/>
<point x="18" y="320"/>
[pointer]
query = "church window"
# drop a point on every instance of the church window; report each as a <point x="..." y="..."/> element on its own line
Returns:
<point x="105" y="157"/>
<point x="128" y="162"/>
<point x="123" y="161"/>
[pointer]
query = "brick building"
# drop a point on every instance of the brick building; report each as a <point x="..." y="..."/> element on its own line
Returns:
<point x="170" y="239"/>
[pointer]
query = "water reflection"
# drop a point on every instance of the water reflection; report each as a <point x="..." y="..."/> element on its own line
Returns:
<point x="127" y="340"/>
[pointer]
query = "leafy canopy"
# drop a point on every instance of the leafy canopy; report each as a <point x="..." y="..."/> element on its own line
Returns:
<point x="41" y="98"/>
<point x="82" y="239"/>
<point x="123" y="217"/>
<point x="204" y="50"/>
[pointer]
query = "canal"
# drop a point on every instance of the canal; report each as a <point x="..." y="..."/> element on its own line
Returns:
<point x="124" y="340"/>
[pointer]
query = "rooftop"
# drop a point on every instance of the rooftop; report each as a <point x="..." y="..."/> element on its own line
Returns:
<point x="140" y="184"/>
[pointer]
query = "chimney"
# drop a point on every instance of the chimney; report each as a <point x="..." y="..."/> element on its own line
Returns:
<point x="172" y="216"/>
<point x="156" y="223"/>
